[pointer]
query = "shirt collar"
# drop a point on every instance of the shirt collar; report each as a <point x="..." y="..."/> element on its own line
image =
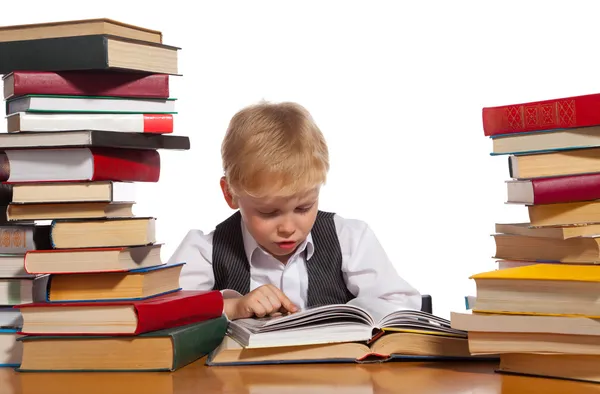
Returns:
<point x="251" y="246"/>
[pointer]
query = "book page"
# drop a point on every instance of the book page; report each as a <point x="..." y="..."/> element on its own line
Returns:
<point x="418" y="321"/>
<point x="324" y="315"/>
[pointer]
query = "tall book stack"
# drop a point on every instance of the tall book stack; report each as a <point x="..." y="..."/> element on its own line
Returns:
<point x="87" y="111"/>
<point x="540" y="309"/>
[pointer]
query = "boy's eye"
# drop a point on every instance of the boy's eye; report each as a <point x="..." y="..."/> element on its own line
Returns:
<point x="304" y="209"/>
<point x="267" y="214"/>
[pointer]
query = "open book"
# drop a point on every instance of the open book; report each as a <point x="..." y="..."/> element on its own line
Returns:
<point x="341" y="333"/>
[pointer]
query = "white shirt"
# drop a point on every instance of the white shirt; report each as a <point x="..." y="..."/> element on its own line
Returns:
<point x="367" y="270"/>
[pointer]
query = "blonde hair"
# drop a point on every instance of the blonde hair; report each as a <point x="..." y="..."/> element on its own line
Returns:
<point x="274" y="149"/>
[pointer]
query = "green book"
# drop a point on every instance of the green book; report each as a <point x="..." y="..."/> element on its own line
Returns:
<point x="164" y="350"/>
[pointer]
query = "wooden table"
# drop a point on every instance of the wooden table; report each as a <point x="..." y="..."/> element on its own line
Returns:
<point x="196" y="378"/>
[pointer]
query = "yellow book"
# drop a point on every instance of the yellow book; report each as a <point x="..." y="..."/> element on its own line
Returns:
<point x="540" y="289"/>
<point x="554" y="272"/>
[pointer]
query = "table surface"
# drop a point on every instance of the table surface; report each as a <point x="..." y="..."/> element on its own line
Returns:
<point x="395" y="377"/>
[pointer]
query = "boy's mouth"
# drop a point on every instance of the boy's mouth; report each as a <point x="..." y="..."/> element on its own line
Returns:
<point x="286" y="244"/>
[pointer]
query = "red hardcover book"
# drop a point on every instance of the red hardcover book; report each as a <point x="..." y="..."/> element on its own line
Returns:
<point x="561" y="113"/>
<point x="79" y="164"/>
<point x="166" y="311"/>
<point x="86" y="83"/>
<point x="554" y="190"/>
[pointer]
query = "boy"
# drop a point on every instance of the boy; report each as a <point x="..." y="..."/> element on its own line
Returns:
<point x="278" y="253"/>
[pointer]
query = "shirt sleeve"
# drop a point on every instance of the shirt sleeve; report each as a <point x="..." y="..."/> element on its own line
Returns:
<point x="195" y="250"/>
<point x="369" y="273"/>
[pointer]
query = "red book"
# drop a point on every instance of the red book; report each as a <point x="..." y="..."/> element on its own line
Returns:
<point x="86" y="83"/>
<point x="554" y="190"/>
<point x="122" y="317"/>
<point x="79" y="164"/>
<point x="561" y="113"/>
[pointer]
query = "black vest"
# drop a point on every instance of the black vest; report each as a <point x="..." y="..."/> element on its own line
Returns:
<point x="326" y="284"/>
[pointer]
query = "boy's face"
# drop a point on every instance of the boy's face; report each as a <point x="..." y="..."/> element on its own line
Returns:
<point x="278" y="224"/>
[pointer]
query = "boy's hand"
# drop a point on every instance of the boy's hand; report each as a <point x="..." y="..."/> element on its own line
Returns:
<point x="263" y="301"/>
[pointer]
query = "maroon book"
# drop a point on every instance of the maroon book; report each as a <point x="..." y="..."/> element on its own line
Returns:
<point x="554" y="190"/>
<point x="86" y="83"/>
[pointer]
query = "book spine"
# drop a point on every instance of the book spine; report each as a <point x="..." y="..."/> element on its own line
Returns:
<point x="192" y="344"/>
<point x="126" y="165"/>
<point x="91" y="83"/>
<point x="54" y="54"/>
<point x="566" y="189"/>
<point x="178" y="312"/>
<point x="20" y="239"/>
<point x="580" y="111"/>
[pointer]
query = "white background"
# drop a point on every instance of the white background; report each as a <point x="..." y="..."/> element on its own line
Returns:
<point x="397" y="88"/>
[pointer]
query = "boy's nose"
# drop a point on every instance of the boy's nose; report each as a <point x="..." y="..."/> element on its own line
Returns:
<point x="286" y="228"/>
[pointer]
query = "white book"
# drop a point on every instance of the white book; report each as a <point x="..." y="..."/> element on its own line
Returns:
<point x="53" y="192"/>
<point x="48" y="122"/>
<point x="334" y="324"/>
<point x="47" y="103"/>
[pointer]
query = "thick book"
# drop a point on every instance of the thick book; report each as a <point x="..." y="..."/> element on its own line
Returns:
<point x="559" y="233"/>
<point x="89" y="104"/>
<point x="549" y="289"/>
<point x="87" y="260"/>
<point x="86" y="83"/>
<point x="578" y="213"/>
<point x="546" y="141"/>
<point x="136" y="284"/>
<point x="125" y="123"/>
<point x="91" y="52"/>
<point x="580" y="250"/>
<point x="559" y="113"/>
<point x="79" y="164"/>
<point x="76" y="210"/>
<point x="391" y="347"/>
<point x="68" y="192"/>
<point x="562" y="367"/>
<point x="12" y="265"/>
<point x="554" y="163"/>
<point x="101" y="233"/>
<point x="562" y="189"/>
<point x="340" y="333"/>
<point x="78" y="27"/>
<point x="164" y="350"/>
<point x="79" y="234"/>
<point x="93" y="138"/>
<point x="121" y="317"/>
<point x="526" y="324"/>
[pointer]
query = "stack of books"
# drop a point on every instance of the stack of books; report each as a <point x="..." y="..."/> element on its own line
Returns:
<point x="540" y="309"/>
<point x="16" y="284"/>
<point x="88" y="110"/>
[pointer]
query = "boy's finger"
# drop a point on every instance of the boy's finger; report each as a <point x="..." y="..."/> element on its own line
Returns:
<point x="285" y="301"/>
<point x="265" y="304"/>
<point x="257" y="308"/>
<point x="272" y="296"/>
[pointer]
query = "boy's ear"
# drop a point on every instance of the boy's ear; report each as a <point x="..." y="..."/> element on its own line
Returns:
<point x="231" y="200"/>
